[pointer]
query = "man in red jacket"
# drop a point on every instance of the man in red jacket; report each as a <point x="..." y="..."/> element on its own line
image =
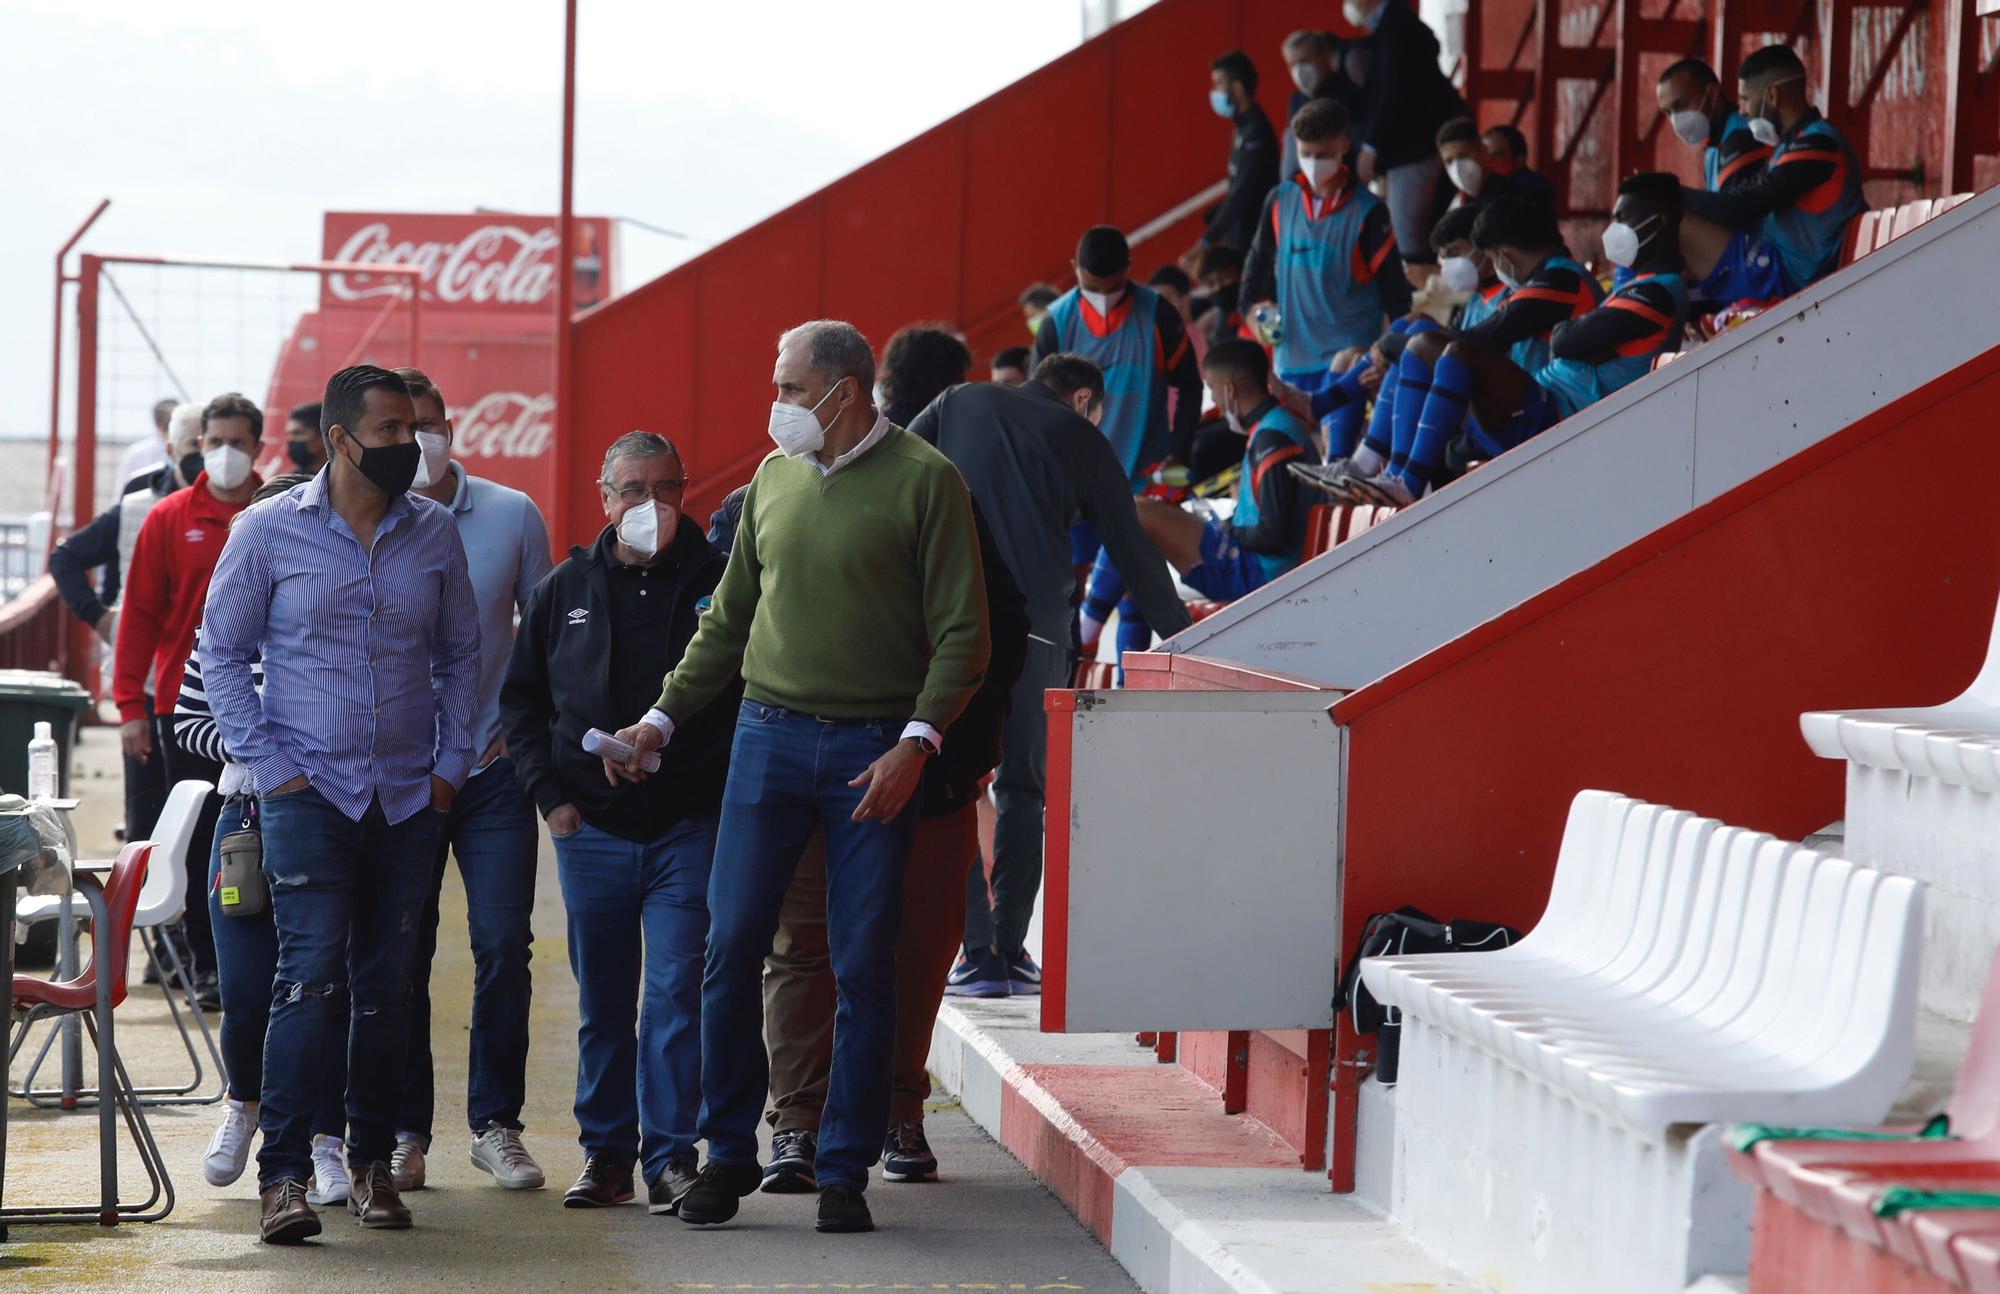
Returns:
<point x="165" y="586"/>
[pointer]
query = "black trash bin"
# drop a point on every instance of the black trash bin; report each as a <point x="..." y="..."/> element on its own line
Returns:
<point x="28" y="697"/>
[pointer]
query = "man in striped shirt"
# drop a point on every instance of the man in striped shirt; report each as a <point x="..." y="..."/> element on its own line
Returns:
<point x="357" y="596"/>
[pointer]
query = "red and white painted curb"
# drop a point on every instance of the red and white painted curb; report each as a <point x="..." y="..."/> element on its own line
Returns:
<point x="1188" y="1199"/>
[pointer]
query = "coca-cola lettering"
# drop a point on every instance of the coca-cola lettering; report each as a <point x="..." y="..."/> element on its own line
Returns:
<point x="504" y="424"/>
<point x="492" y="265"/>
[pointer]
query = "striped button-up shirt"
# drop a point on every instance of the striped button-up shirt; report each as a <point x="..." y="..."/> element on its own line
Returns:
<point x="371" y="660"/>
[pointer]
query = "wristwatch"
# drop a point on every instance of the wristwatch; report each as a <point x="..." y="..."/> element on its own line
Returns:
<point x="924" y="744"/>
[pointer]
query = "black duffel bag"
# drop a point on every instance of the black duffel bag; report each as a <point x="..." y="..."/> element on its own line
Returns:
<point x="1405" y="931"/>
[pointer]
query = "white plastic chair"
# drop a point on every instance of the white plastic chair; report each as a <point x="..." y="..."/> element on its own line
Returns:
<point x="162" y="901"/>
<point x="1717" y="975"/>
<point x="1870" y="737"/>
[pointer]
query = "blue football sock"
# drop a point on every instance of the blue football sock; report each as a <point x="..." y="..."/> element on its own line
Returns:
<point x="1379" y="435"/>
<point x="1104" y="590"/>
<point x="1443" y="415"/>
<point x="1134" y="634"/>
<point x="1413" y="384"/>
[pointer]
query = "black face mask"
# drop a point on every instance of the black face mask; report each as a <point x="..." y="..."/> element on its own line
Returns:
<point x="390" y="468"/>
<point x="191" y="467"/>
<point x="301" y="454"/>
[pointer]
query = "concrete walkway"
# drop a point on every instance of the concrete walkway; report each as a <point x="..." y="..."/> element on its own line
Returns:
<point x="988" y="1227"/>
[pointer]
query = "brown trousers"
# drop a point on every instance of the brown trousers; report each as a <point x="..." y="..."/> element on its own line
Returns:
<point x="798" y="975"/>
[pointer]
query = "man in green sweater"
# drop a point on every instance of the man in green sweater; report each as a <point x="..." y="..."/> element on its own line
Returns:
<point x="855" y="607"/>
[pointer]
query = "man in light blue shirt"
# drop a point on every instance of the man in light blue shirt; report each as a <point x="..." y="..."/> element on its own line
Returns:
<point x="356" y="595"/>
<point x="492" y="830"/>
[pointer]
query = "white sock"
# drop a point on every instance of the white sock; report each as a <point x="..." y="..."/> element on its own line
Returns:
<point x="1365" y="462"/>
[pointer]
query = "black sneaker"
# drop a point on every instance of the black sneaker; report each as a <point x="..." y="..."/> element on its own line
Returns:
<point x="717" y="1193"/>
<point x="906" y="1156"/>
<point x="843" y="1209"/>
<point x="791" y="1168"/>
<point x="1024" y="978"/>
<point x="979" y="973"/>
<point x="665" y="1192"/>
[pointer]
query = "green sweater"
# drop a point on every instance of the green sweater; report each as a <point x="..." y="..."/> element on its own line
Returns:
<point x="852" y="596"/>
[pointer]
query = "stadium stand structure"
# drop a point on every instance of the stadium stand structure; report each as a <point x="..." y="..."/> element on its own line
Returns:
<point x="1791" y="516"/>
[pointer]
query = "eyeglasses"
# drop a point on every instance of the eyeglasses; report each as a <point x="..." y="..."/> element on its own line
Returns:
<point x="662" y="492"/>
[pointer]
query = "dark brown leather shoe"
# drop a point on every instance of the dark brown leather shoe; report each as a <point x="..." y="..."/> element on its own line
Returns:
<point x="601" y="1184"/>
<point x="373" y="1199"/>
<point x="284" y="1217"/>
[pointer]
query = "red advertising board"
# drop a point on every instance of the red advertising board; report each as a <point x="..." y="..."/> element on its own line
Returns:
<point x="484" y="262"/>
<point x="488" y="327"/>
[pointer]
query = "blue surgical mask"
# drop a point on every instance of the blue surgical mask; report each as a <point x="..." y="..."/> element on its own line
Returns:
<point x="1219" y="100"/>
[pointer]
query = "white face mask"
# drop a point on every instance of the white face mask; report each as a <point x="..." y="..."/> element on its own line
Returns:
<point x="1355" y="12"/>
<point x="1319" y="170"/>
<point x="1691" y="125"/>
<point x="1229" y="417"/>
<point x="1763" y="128"/>
<point x="1622" y="241"/>
<point x="796" y="429"/>
<point x="1506" y="275"/>
<point x="1305" y="76"/>
<point x="1467" y="174"/>
<point x="227" y="466"/>
<point x="1102" y="302"/>
<point x="643" y="524"/>
<point x="436" y="447"/>
<point x="1460" y="273"/>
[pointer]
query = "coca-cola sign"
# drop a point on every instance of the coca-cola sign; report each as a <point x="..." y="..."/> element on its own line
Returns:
<point x="478" y="262"/>
<point x="503" y="424"/>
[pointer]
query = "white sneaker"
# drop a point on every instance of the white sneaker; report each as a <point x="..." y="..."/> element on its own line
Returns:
<point x="329" y="1179"/>
<point x="229" y="1149"/>
<point x="499" y="1151"/>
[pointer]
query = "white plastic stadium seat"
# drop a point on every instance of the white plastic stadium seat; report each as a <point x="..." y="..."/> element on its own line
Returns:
<point x="1925" y="740"/>
<point x="1686" y="974"/>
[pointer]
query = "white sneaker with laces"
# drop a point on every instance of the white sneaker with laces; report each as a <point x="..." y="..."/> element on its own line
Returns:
<point x="329" y="1179"/>
<point x="229" y="1149"/>
<point x="499" y="1151"/>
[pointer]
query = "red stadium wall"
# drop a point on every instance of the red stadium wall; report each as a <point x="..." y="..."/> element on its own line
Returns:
<point x="949" y="226"/>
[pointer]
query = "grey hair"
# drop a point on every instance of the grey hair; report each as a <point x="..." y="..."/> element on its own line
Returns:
<point x="184" y="417"/>
<point x="636" y="444"/>
<point x="834" y="350"/>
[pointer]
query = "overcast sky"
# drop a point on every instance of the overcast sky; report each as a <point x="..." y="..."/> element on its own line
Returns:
<point x="225" y="127"/>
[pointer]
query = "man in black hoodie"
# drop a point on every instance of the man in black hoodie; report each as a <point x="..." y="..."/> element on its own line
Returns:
<point x="597" y="636"/>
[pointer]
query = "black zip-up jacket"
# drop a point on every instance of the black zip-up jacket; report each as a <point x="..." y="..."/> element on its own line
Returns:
<point x="972" y="747"/>
<point x="1253" y="169"/>
<point x="96" y="546"/>
<point x="559" y="685"/>
<point x="1407" y="96"/>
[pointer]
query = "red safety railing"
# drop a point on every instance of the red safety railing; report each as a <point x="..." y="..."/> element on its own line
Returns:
<point x="31" y="630"/>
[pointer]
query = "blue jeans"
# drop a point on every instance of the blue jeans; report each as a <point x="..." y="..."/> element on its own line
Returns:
<point x="492" y="830"/>
<point x="346" y="897"/>
<point x="638" y="921"/>
<point x="246" y="954"/>
<point x="789" y="773"/>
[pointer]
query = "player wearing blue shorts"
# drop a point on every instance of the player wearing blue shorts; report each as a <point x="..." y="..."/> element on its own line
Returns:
<point x="1701" y="116"/>
<point x="1265" y="535"/>
<point x="1497" y="402"/>
<point x="1464" y="269"/>
<point x="1798" y="206"/>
